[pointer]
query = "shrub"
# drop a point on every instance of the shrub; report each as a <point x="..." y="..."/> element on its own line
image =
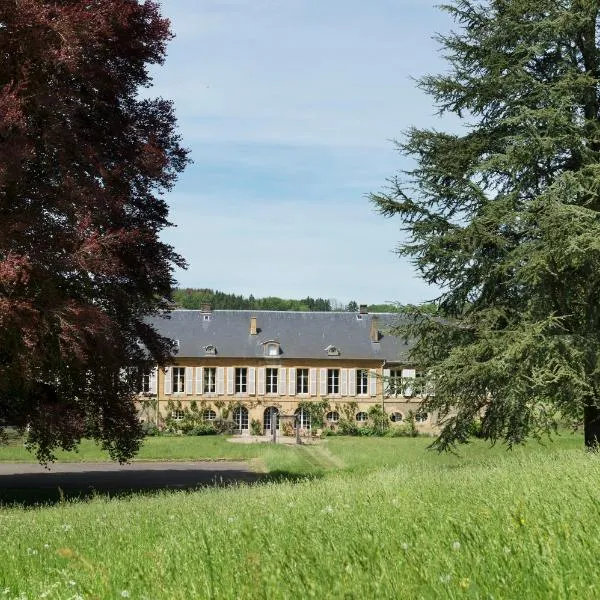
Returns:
<point x="347" y="427"/>
<point x="256" y="427"/>
<point x="150" y="429"/>
<point x="203" y="429"/>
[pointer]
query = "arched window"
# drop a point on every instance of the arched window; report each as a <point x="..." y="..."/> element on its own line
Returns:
<point x="421" y="417"/>
<point x="271" y="410"/>
<point x="177" y="414"/>
<point x="303" y="418"/>
<point x="361" y="417"/>
<point x="396" y="417"/>
<point x="240" y="417"/>
<point x="332" y="416"/>
<point x="209" y="415"/>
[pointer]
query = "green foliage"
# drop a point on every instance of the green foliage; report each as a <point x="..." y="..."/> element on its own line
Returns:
<point x="150" y="429"/>
<point x="379" y="419"/>
<point x="504" y="216"/>
<point x="194" y="299"/>
<point x="256" y="427"/>
<point x="316" y="410"/>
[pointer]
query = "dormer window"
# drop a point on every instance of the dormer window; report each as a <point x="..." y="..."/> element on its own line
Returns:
<point x="210" y="349"/>
<point x="332" y="351"/>
<point x="272" y="348"/>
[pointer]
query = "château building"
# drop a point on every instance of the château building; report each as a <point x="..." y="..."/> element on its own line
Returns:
<point x="266" y="364"/>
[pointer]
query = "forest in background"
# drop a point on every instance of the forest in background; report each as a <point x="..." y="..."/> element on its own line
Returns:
<point x="192" y="298"/>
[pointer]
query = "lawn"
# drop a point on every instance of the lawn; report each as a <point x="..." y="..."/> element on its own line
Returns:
<point x="384" y="519"/>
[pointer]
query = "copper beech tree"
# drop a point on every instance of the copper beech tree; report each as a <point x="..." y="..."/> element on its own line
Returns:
<point x="84" y="161"/>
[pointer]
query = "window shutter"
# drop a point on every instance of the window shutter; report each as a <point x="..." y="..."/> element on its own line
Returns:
<point x="352" y="382"/>
<point x="189" y="380"/>
<point x="251" y="380"/>
<point x="220" y="380"/>
<point x="168" y="381"/>
<point x="261" y="381"/>
<point x="312" y="382"/>
<point x="344" y="384"/>
<point x="386" y="382"/>
<point x="323" y="382"/>
<point x="230" y="382"/>
<point x="373" y="382"/>
<point x="292" y="382"/>
<point x="409" y="373"/>
<point x="198" y="381"/>
<point x="281" y="382"/>
<point x="153" y="380"/>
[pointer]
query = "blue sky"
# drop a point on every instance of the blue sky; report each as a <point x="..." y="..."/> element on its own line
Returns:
<point x="289" y="108"/>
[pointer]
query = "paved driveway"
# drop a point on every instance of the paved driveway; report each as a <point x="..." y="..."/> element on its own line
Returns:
<point x="110" y="477"/>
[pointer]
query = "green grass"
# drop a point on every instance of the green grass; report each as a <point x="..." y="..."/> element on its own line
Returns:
<point x="386" y="519"/>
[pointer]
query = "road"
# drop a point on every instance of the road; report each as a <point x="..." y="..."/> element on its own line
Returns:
<point x="111" y="477"/>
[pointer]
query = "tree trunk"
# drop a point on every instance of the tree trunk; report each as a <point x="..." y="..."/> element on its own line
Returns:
<point x="591" y="426"/>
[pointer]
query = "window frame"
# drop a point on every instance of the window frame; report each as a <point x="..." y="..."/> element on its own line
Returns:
<point x="362" y="382"/>
<point x="271" y="380"/>
<point x="178" y="377"/>
<point x="302" y="381"/>
<point x="209" y="380"/>
<point x="364" y="417"/>
<point x="241" y="380"/>
<point x="333" y="382"/>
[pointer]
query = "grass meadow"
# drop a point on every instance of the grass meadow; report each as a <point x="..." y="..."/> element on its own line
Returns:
<point x="371" y="518"/>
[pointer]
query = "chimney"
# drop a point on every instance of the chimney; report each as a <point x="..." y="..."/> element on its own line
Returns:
<point x="363" y="310"/>
<point x="253" y="330"/>
<point x="374" y="330"/>
<point x="205" y="308"/>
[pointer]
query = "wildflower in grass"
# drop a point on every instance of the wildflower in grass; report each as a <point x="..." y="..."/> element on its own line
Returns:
<point x="46" y="546"/>
<point x="404" y="546"/>
<point x="230" y="519"/>
<point x="464" y="583"/>
<point x="72" y="583"/>
<point x="124" y="594"/>
<point x="65" y="552"/>
<point x="506" y="550"/>
<point x="328" y="509"/>
<point x="445" y="578"/>
<point x="456" y="545"/>
<point x="66" y="527"/>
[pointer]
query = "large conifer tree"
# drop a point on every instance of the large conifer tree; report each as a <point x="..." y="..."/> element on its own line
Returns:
<point x="505" y="218"/>
<point x="83" y="162"/>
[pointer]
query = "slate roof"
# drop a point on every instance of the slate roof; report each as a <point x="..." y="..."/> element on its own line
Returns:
<point x="300" y="334"/>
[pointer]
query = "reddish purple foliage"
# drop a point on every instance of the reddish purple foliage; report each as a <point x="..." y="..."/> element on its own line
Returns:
<point x="83" y="165"/>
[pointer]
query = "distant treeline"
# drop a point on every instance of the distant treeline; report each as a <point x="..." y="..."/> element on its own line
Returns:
<point x="194" y="299"/>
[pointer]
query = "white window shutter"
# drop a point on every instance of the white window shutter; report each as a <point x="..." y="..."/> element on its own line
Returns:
<point x="292" y="382"/>
<point x="168" y="381"/>
<point x="352" y="382"/>
<point x="251" y="381"/>
<point x="189" y="380"/>
<point x="312" y="382"/>
<point x="198" y="381"/>
<point x="323" y="382"/>
<point x="153" y="380"/>
<point x="220" y="380"/>
<point x="281" y="382"/>
<point x="230" y="382"/>
<point x="344" y="384"/>
<point x="373" y="382"/>
<point x="261" y="381"/>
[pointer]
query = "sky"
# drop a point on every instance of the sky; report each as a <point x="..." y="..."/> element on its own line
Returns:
<point x="289" y="109"/>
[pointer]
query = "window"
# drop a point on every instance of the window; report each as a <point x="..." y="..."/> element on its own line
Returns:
<point x="146" y="383"/>
<point x="332" y="417"/>
<point x="333" y="381"/>
<point x="270" y="412"/>
<point x="209" y="415"/>
<point x="362" y="382"/>
<point x="421" y="417"/>
<point x="210" y="349"/>
<point x="332" y="351"/>
<point x="396" y="417"/>
<point x="361" y="417"/>
<point x="240" y="417"/>
<point x="178" y="380"/>
<point x="177" y="414"/>
<point x="241" y="380"/>
<point x="302" y="381"/>
<point x="272" y="349"/>
<point x="303" y="418"/>
<point x="394" y="384"/>
<point x="272" y="381"/>
<point x="210" y="380"/>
